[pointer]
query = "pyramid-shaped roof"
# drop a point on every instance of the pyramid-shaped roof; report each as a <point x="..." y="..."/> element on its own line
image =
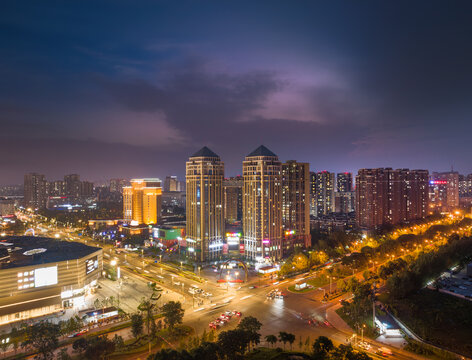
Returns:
<point x="262" y="151"/>
<point x="205" y="152"/>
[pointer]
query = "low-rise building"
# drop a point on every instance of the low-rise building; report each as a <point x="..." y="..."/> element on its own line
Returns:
<point x="41" y="276"/>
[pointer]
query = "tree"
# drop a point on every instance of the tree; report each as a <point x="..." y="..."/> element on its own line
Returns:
<point x="97" y="303"/>
<point x="137" y="325"/>
<point x="283" y="337"/>
<point x="300" y="262"/>
<point x="271" y="339"/>
<point x="80" y="345"/>
<point x="170" y="354"/>
<point x="321" y="347"/>
<point x="119" y="342"/>
<point x="206" y="350"/>
<point x="318" y="258"/>
<point x="290" y="339"/>
<point x="307" y="343"/>
<point x="43" y="337"/>
<point x="99" y="347"/>
<point x="252" y="326"/>
<point x="15" y="338"/>
<point x="147" y="308"/>
<point x="233" y="343"/>
<point x="63" y="355"/>
<point x="173" y="313"/>
<point x="250" y="323"/>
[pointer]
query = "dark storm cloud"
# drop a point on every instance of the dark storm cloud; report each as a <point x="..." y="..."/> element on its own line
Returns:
<point x="195" y="100"/>
<point x="132" y="88"/>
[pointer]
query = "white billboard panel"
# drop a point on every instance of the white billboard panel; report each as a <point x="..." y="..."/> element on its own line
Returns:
<point x="45" y="276"/>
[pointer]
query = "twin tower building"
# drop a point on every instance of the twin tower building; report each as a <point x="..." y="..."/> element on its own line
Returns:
<point x="276" y="205"/>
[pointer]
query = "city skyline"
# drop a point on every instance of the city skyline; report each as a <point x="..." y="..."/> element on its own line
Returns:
<point x="341" y="86"/>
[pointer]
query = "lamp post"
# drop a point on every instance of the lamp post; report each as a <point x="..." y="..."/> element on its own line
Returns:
<point x="181" y="265"/>
<point x="362" y="332"/>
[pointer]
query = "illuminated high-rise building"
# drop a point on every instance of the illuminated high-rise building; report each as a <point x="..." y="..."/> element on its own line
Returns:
<point x="296" y="204"/>
<point x="324" y="193"/>
<point x="72" y="185"/>
<point x="116" y="185"/>
<point x="35" y="190"/>
<point x="312" y="193"/>
<point x="233" y="199"/>
<point x="262" y="205"/>
<point x="142" y="201"/>
<point x="205" y="214"/>
<point x="344" y="182"/>
<point x="171" y="183"/>
<point x="344" y="197"/>
<point x="57" y="188"/>
<point x="387" y="196"/>
<point x="444" y="191"/>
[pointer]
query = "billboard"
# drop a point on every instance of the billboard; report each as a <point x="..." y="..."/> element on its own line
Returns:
<point x="45" y="276"/>
<point x="91" y="265"/>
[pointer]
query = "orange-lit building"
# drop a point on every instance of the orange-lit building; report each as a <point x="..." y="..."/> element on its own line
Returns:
<point x="142" y="201"/>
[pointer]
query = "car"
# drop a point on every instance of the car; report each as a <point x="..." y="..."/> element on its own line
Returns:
<point x="214" y="325"/>
<point x="237" y="313"/>
<point x="229" y="313"/>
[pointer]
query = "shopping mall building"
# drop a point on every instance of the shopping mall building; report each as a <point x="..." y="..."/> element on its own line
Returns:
<point x="40" y="276"/>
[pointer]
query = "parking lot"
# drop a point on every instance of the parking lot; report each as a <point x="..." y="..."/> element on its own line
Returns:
<point x="457" y="283"/>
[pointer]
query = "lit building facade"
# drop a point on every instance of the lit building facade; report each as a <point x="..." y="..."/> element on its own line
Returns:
<point x="324" y="193"/>
<point x="7" y="206"/>
<point x="344" y="197"/>
<point x="444" y="191"/>
<point x="35" y="190"/>
<point x="312" y="193"/>
<point x="171" y="183"/>
<point x="296" y="205"/>
<point x="262" y="205"/>
<point x="344" y="182"/>
<point x="142" y="201"/>
<point x="205" y="213"/>
<point x="233" y="199"/>
<point x="116" y="185"/>
<point x="41" y="276"/>
<point x="387" y="196"/>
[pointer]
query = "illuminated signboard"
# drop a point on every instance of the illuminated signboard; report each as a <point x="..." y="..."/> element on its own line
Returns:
<point x="45" y="276"/>
<point x="438" y="182"/>
<point x="91" y="265"/>
<point x="37" y="278"/>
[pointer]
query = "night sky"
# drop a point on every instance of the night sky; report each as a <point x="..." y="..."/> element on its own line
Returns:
<point x="131" y="89"/>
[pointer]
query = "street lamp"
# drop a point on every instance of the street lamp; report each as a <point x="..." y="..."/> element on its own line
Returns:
<point x="362" y="332"/>
<point x="181" y="265"/>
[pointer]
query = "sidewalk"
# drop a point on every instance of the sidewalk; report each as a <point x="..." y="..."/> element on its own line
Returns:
<point x="336" y="320"/>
